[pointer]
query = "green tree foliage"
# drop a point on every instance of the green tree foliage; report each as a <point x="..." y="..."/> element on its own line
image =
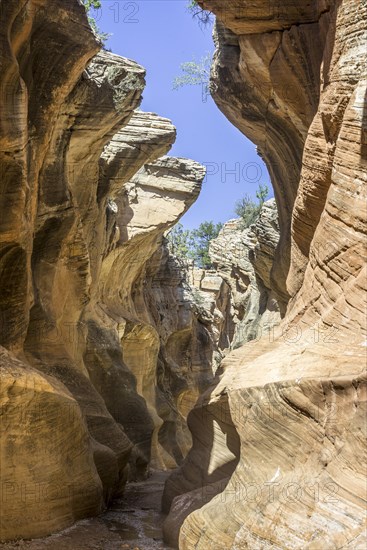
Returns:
<point x="193" y="245"/>
<point x="262" y="193"/>
<point x="194" y="73"/>
<point x="89" y="4"/>
<point x="249" y="210"/>
<point x="179" y="241"/>
<point x="199" y="242"/>
<point x="204" y="17"/>
<point x="95" y="5"/>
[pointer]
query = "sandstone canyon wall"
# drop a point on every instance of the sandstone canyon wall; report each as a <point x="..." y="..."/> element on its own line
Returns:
<point x="235" y="297"/>
<point x="279" y="449"/>
<point x="105" y="350"/>
<point x="94" y="316"/>
<point x="244" y="259"/>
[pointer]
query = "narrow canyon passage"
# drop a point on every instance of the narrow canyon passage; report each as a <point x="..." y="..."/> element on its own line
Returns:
<point x="228" y="361"/>
<point x="133" y="522"/>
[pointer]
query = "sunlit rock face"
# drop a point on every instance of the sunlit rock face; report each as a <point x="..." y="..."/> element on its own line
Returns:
<point x="92" y="384"/>
<point x="243" y="258"/>
<point x="143" y="289"/>
<point x="266" y="79"/>
<point x="234" y="298"/>
<point x="279" y="450"/>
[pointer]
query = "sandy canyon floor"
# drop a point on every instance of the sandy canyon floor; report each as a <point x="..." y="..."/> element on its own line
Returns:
<point x="132" y="523"/>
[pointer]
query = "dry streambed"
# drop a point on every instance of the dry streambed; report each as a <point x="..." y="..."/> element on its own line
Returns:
<point x="132" y="523"/>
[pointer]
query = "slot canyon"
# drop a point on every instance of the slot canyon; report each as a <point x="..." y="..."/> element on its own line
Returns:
<point x="146" y="403"/>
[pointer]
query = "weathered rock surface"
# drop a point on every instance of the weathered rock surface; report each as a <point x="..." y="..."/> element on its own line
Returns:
<point x="243" y="258"/>
<point x="103" y="353"/>
<point x="279" y="451"/>
<point x="90" y="390"/>
<point x="143" y="290"/>
<point x="266" y="80"/>
<point x="234" y="298"/>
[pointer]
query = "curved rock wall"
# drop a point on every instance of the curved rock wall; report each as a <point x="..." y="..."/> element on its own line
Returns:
<point x="266" y="80"/>
<point x="103" y="353"/>
<point x="92" y="391"/>
<point x="282" y="466"/>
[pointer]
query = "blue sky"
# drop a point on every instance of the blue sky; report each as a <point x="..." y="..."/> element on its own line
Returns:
<point x="160" y="35"/>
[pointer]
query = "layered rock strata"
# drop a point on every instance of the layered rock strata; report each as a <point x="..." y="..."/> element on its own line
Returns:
<point x="243" y="258"/>
<point x="278" y="457"/>
<point x="235" y="297"/>
<point x="90" y="389"/>
<point x="266" y="79"/>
